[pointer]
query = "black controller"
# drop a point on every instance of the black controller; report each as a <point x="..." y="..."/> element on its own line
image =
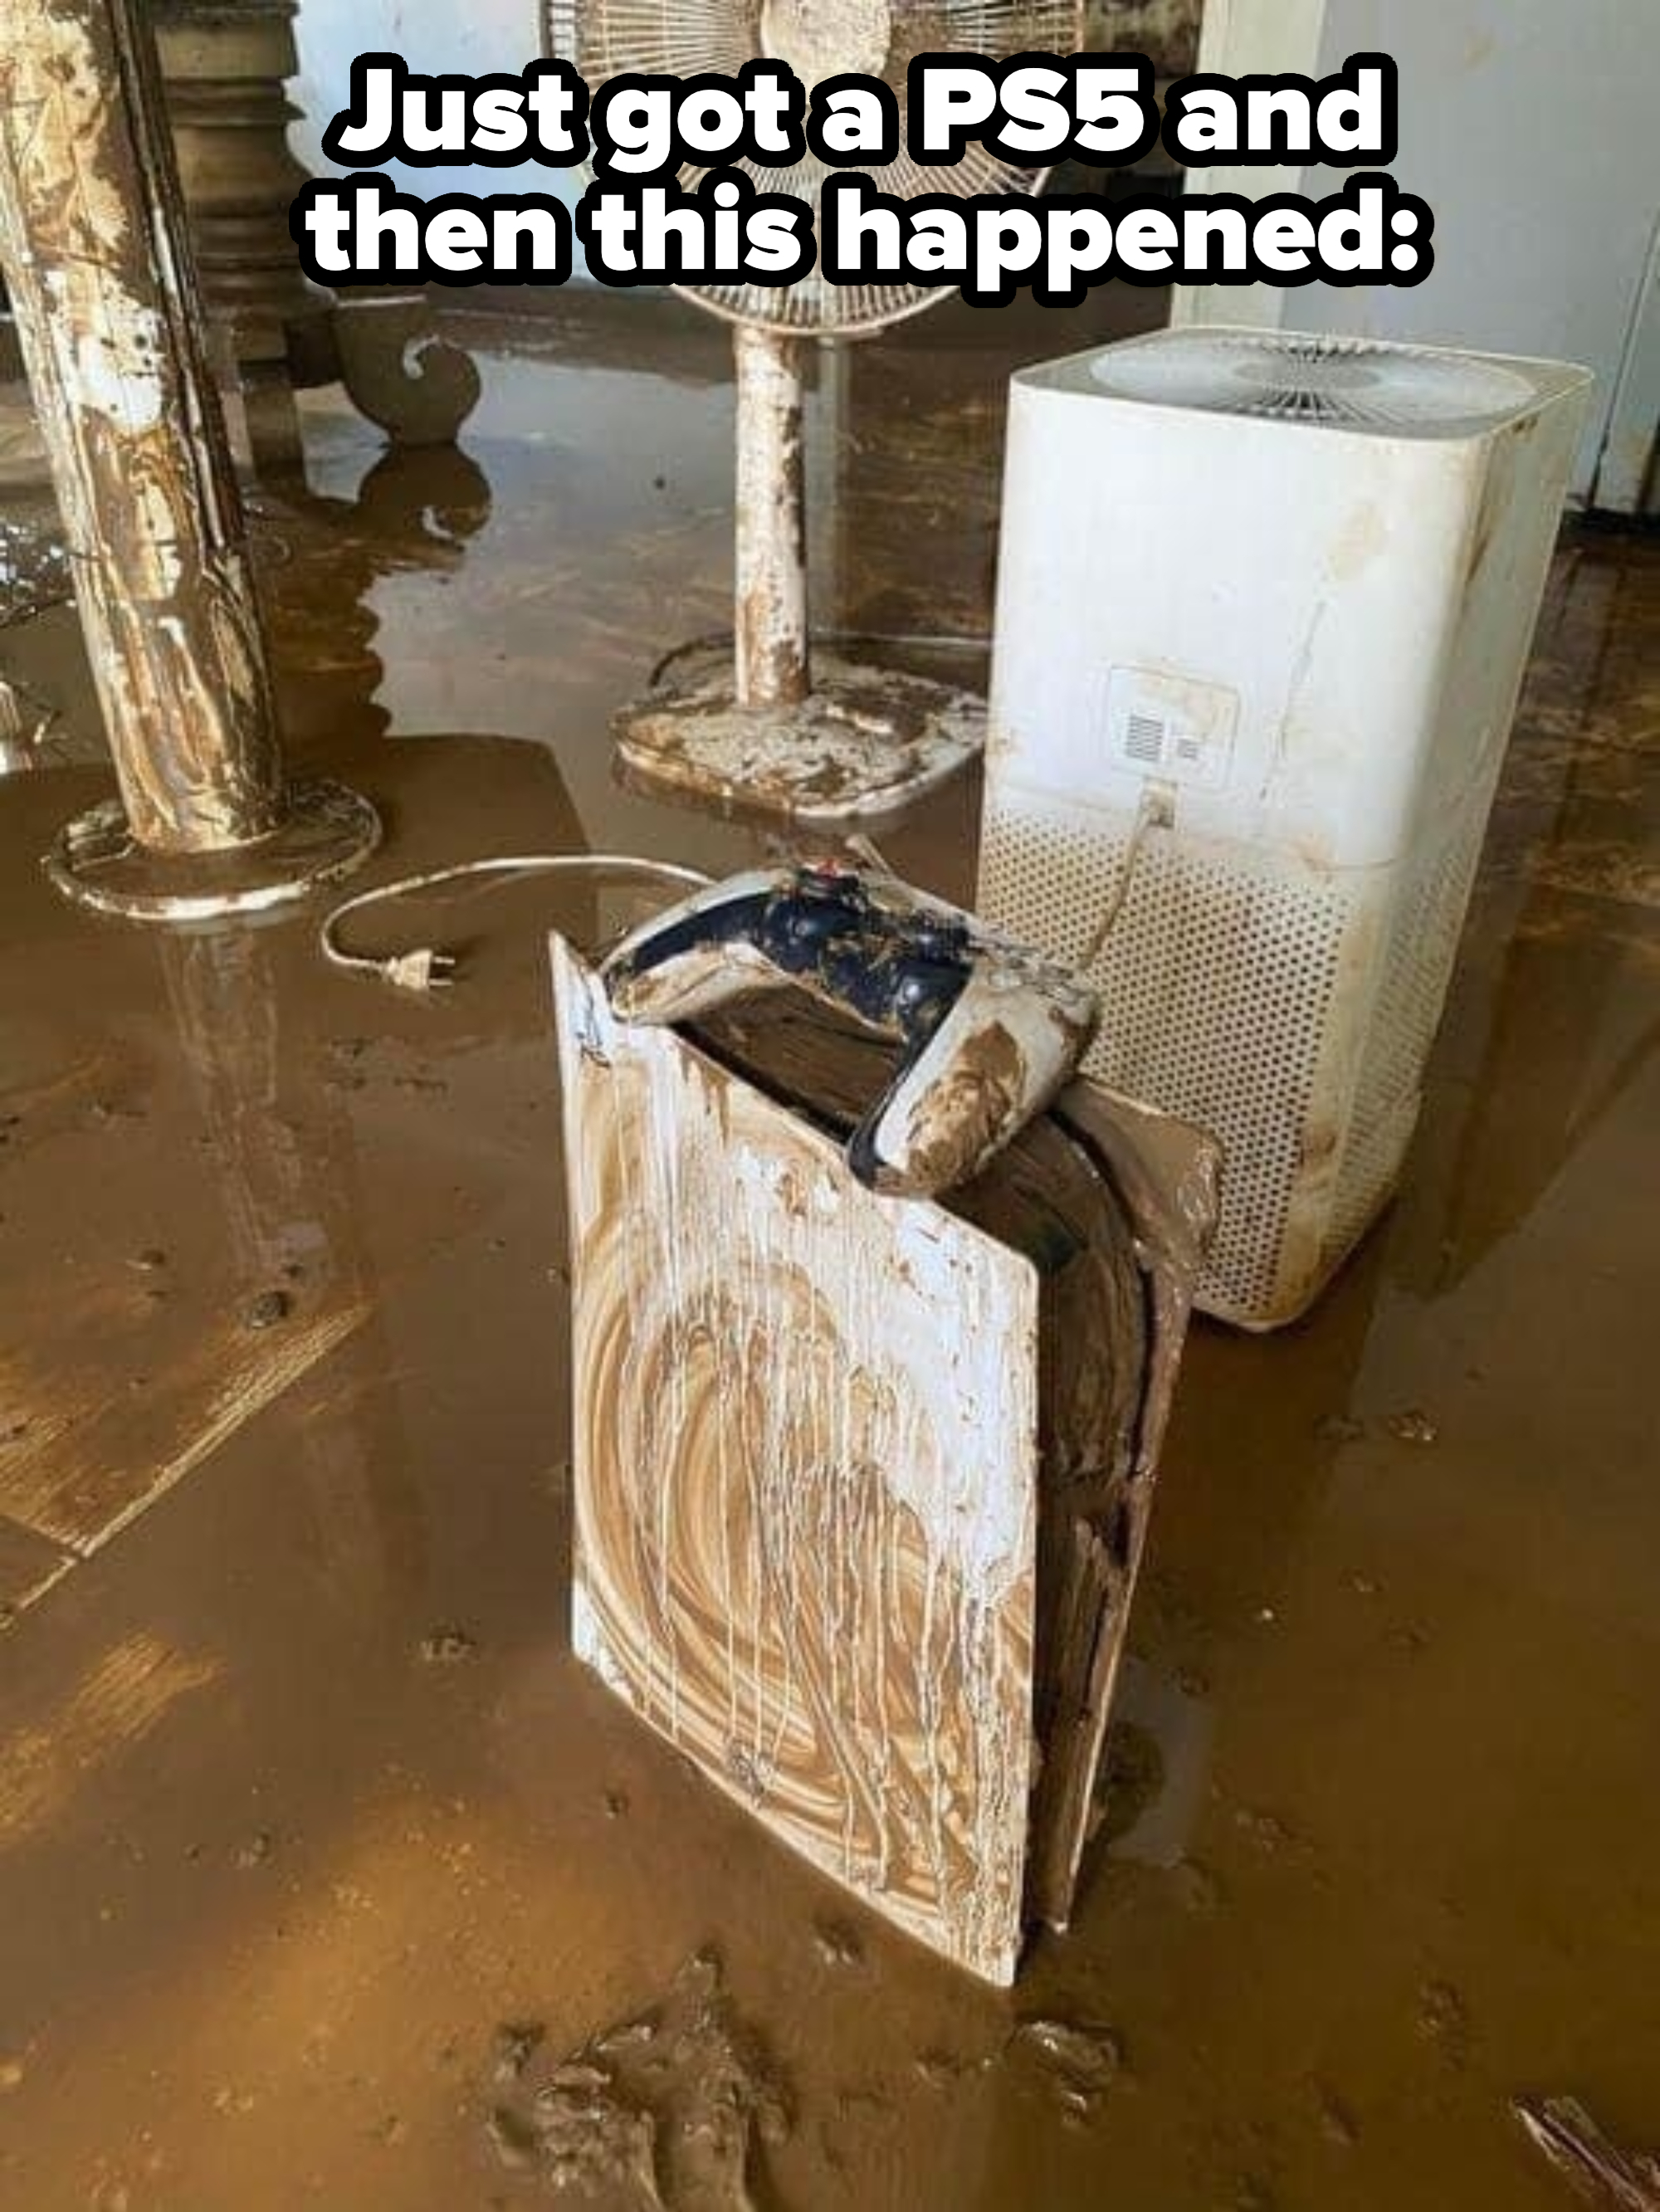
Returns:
<point x="988" y="1030"/>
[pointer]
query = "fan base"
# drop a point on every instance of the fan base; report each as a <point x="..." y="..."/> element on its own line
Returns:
<point x="865" y="742"/>
<point x="95" y="861"/>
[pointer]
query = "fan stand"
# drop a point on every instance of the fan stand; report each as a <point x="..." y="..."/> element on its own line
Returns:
<point x="773" y="728"/>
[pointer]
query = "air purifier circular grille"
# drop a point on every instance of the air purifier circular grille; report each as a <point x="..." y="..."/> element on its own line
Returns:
<point x="1343" y="383"/>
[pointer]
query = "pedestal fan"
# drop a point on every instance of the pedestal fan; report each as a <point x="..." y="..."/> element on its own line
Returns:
<point x="771" y="724"/>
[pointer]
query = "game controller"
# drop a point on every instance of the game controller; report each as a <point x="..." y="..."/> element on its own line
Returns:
<point x="988" y="1031"/>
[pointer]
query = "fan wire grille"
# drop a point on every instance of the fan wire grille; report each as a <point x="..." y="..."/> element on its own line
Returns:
<point x="687" y="38"/>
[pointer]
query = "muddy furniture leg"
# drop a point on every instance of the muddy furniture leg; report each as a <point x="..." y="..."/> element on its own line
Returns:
<point x="91" y="237"/>
<point x="226" y="65"/>
<point x="409" y="381"/>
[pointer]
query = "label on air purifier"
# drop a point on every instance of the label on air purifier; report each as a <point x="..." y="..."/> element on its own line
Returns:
<point x="1174" y="727"/>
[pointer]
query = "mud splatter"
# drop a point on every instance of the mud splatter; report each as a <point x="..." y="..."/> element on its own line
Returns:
<point x="269" y="1310"/>
<point x="1078" y="2064"/>
<point x="1413" y="1426"/>
<point x="670" y="2110"/>
<point x="448" y="1646"/>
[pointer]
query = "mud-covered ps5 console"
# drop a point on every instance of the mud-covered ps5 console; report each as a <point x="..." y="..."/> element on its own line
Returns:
<point x="862" y="1475"/>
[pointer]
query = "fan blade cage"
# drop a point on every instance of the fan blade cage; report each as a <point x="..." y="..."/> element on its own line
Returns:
<point x="818" y="38"/>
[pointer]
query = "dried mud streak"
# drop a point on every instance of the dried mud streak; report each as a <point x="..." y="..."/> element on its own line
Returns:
<point x="958" y="1120"/>
<point x="804" y="1513"/>
<point x="92" y="234"/>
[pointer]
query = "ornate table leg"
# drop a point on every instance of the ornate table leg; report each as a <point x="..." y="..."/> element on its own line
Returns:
<point x="413" y="385"/>
<point x="224" y="66"/>
<point x="225" y="63"/>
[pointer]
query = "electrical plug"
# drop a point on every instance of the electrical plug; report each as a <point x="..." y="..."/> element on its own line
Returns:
<point x="421" y="969"/>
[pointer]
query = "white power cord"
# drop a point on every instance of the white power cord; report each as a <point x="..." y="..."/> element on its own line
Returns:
<point x="424" y="968"/>
<point x="1156" y="810"/>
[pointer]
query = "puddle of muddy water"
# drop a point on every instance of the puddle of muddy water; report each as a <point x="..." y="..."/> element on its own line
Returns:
<point x="305" y="1798"/>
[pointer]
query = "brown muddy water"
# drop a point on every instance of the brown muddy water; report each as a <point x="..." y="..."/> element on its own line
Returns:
<point x="327" y="1877"/>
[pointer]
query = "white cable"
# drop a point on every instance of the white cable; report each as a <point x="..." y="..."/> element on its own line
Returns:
<point x="866" y="849"/>
<point x="1156" y="811"/>
<point x="424" y="968"/>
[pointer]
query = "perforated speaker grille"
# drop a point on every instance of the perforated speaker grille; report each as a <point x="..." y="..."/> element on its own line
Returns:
<point x="1218" y="987"/>
<point x="1336" y="382"/>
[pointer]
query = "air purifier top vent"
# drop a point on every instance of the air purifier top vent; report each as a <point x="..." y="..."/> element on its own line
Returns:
<point x="1339" y="383"/>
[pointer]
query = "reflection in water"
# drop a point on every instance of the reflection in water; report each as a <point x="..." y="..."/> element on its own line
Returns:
<point x="319" y="556"/>
<point x="35" y="584"/>
<point x="416" y="509"/>
<point x="283" y="1168"/>
<point x="1545" y="1034"/>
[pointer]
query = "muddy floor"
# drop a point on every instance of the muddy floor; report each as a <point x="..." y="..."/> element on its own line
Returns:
<point x="326" y="1876"/>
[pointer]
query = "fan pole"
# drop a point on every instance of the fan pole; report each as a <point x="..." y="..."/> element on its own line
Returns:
<point x="770" y="625"/>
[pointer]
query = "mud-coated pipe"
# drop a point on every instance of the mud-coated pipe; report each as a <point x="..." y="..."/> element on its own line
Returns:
<point x="770" y="621"/>
<point x="108" y="309"/>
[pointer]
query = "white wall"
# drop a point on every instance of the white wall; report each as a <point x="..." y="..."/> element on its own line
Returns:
<point x="1241" y="38"/>
<point x="1532" y="127"/>
<point x="431" y="35"/>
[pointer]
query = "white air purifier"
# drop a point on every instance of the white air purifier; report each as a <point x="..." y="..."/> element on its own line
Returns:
<point x="1264" y="604"/>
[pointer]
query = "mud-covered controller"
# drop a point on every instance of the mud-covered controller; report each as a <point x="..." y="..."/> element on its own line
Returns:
<point x="988" y="1030"/>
